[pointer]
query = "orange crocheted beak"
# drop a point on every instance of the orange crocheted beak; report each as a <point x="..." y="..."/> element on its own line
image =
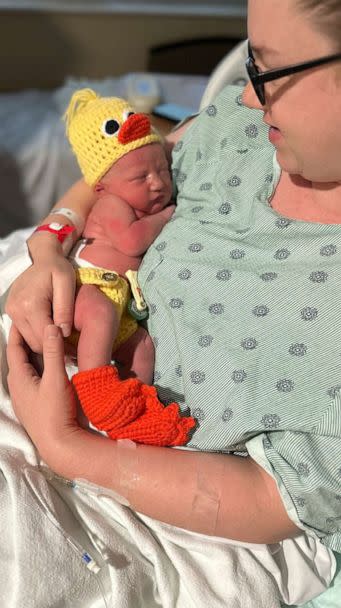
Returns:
<point x="135" y="127"/>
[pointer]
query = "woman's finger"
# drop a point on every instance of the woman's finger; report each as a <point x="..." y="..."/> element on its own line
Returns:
<point x="20" y="369"/>
<point x="63" y="301"/>
<point x="38" y="321"/>
<point x="16" y="349"/>
<point x="30" y="319"/>
<point x="53" y="355"/>
<point x="25" y="330"/>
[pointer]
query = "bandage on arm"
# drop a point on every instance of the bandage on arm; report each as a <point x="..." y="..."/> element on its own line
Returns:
<point x="204" y="500"/>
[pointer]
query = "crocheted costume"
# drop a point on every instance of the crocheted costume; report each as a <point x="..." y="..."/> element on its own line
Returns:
<point x="129" y="409"/>
<point x="117" y="289"/>
<point x="101" y="130"/>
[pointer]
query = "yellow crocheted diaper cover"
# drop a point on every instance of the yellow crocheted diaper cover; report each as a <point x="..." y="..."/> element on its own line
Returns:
<point x="117" y="289"/>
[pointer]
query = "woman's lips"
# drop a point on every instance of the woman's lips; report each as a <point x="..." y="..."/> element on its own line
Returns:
<point x="274" y="135"/>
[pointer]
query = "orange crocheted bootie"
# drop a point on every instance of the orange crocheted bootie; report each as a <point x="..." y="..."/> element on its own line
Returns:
<point x="158" y="425"/>
<point x="108" y="402"/>
<point x="129" y="409"/>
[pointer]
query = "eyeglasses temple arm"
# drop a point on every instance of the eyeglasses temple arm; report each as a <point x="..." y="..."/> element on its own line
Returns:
<point x="293" y="69"/>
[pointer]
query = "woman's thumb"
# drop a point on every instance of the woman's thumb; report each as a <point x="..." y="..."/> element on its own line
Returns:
<point x="53" y="353"/>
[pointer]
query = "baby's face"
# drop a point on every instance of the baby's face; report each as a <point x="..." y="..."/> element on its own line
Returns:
<point x="141" y="178"/>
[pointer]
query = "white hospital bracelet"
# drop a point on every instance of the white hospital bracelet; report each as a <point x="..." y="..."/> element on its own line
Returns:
<point x="76" y="219"/>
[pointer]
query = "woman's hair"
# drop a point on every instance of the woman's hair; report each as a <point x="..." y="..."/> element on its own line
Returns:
<point x="325" y="16"/>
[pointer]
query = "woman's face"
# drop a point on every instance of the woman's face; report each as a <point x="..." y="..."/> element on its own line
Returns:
<point x="305" y="108"/>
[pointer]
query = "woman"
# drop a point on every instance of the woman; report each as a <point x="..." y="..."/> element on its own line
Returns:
<point x="259" y="502"/>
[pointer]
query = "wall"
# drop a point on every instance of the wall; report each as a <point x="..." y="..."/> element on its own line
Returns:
<point x="41" y="49"/>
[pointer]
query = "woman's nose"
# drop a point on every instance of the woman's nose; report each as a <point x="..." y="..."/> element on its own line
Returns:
<point x="250" y="99"/>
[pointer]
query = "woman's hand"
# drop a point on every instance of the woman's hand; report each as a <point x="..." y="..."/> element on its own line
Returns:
<point x="42" y="295"/>
<point x="46" y="405"/>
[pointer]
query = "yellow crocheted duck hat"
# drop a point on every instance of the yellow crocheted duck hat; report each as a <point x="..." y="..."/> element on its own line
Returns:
<point x="103" y="129"/>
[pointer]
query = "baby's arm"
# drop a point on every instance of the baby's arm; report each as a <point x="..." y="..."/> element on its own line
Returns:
<point x="127" y="233"/>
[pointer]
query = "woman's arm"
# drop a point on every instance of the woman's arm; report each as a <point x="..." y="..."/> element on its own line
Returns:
<point x="44" y="293"/>
<point x="80" y="199"/>
<point x="214" y="494"/>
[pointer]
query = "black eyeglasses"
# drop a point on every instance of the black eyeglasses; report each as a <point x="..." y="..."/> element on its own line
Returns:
<point x="258" y="78"/>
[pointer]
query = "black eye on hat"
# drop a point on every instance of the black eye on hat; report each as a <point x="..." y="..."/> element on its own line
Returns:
<point x="110" y="127"/>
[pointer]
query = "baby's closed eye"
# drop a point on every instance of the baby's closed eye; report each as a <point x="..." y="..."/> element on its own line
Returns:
<point x="139" y="177"/>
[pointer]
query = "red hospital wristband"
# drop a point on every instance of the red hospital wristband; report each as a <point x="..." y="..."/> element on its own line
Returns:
<point x="59" y="230"/>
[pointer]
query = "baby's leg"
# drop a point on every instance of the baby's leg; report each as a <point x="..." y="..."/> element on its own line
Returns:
<point x="97" y="321"/>
<point x="135" y="358"/>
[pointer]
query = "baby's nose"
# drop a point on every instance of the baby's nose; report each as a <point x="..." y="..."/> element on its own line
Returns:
<point x="156" y="182"/>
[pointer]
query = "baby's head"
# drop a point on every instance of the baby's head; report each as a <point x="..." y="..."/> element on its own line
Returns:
<point x="115" y="147"/>
<point x="141" y="178"/>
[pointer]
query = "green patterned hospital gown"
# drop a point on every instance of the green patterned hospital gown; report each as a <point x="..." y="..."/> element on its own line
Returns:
<point x="245" y="314"/>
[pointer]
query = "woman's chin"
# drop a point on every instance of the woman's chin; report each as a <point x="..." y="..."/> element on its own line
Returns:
<point x="290" y="166"/>
<point x="286" y="164"/>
